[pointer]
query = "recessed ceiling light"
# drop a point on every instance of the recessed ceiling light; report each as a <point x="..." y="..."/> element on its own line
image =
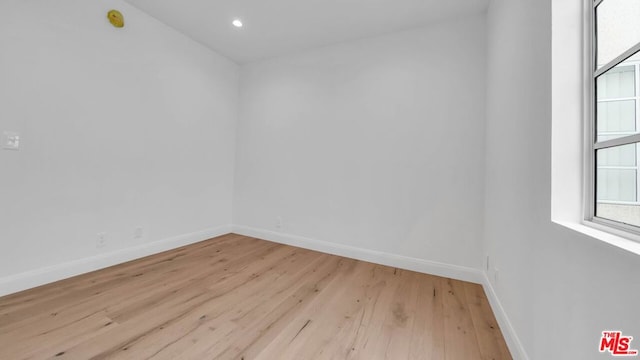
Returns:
<point x="237" y="23"/>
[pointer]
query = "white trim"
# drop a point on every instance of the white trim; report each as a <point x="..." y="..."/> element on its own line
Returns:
<point x="630" y="139"/>
<point x="379" y="257"/>
<point x="589" y="100"/>
<point x="26" y="280"/>
<point x="624" y="240"/>
<point x="510" y="336"/>
<point x="37" y="277"/>
<point x="628" y="231"/>
<point x="618" y="60"/>
<point x="404" y="262"/>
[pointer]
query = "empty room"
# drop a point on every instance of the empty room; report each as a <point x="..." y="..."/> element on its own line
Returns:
<point x="354" y="179"/>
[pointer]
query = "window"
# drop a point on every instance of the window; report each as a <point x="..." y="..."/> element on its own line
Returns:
<point x="614" y="173"/>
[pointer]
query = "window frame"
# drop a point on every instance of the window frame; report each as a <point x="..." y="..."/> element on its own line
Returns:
<point x="591" y="74"/>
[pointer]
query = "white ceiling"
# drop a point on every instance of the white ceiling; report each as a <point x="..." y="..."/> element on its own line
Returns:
<point x="276" y="27"/>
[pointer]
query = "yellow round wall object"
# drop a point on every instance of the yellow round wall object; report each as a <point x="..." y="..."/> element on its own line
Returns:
<point x="115" y="18"/>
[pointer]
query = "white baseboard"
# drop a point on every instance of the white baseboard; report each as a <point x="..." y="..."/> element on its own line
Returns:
<point x="41" y="276"/>
<point x="404" y="262"/>
<point x="37" y="277"/>
<point x="400" y="261"/>
<point x="509" y="333"/>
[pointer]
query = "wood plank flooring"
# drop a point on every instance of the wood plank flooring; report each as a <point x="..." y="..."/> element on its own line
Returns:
<point x="235" y="297"/>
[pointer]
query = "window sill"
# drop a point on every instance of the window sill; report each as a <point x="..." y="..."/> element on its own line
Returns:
<point x="628" y="242"/>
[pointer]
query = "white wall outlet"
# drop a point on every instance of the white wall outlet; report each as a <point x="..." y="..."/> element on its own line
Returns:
<point x="101" y="240"/>
<point x="10" y="140"/>
<point x="138" y="233"/>
<point x="496" y="275"/>
<point x="487" y="264"/>
<point x="279" y="222"/>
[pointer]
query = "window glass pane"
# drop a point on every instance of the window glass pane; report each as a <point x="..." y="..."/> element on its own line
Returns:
<point x="616" y="102"/>
<point x="617" y="116"/>
<point x="624" y="155"/>
<point x="618" y="28"/>
<point x="619" y="82"/>
<point x="617" y="184"/>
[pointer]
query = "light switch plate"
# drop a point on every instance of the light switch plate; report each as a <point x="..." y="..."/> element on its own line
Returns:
<point x="10" y="140"/>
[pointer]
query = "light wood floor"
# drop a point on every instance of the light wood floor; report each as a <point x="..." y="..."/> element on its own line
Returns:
<point x="235" y="297"/>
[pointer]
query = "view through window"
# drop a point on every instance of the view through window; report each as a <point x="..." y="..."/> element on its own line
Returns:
<point x="617" y="110"/>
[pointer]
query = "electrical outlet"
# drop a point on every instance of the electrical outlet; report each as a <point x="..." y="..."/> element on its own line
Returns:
<point x="138" y="233"/>
<point x="496" y="275"/>
<point x="101" y="240"/>
<point x="279" y="222"/>
<point x="488" y="267"/>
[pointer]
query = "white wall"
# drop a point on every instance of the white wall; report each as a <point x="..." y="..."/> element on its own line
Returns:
<point x="376" y="144"/>
<point x="121" y="128"/>
<point x="559" y="288"/>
